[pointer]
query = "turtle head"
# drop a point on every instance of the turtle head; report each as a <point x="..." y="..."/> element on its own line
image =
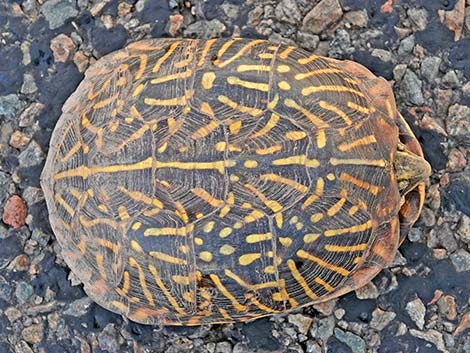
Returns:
<point x="410" y="169"/>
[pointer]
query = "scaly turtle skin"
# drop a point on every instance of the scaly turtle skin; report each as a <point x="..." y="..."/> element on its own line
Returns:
<point x="211" y="181"/>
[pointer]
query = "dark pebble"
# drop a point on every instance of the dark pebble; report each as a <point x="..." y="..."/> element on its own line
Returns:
<point x="357" y="310"/>
<point x="373" y="63"/>
<point x="457" y="195"/>
<point x="55" y="278"/>
<point x="261" y="342"/>
<point x="30" y="176"/>
<point x="434" y="36"/>
<point x="11" y="74"/>
<point x="107" y="40"/>
<point x="40" y="216"/>
<point x="459" y="56"/>
<point x="10" y="248"/>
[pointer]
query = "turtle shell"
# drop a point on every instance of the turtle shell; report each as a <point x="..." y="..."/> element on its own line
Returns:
<point x="211" y="181"/>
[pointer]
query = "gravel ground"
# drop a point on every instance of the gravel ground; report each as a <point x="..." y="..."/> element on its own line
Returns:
<point x="420" y="304"/>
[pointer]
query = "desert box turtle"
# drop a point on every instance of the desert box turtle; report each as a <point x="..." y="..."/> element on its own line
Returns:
<point x="210" y="181"/>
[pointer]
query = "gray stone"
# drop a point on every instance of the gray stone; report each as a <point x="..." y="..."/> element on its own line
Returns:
<point x="29" y="85"/>
<point x="42" y="238"/>
<point x="430" y="67"/>
<point x="325" y="13"/>
<point x="79" y="307"/>
<point x="418" y="18"/>
<point x="205" y="29"/>
<point x="357" y="18"/>
<point x="461" y="260"/>
<point x="368" y="291"/>
<point x="451" y="79"/>
<point x="287" y="11"/>
<point x="411" y="87"/>
<point x="353" y="341"/>
<point x="230" y="10"/>
<point x="223" y="347"/>
<point x="399" y="71"/>
<point x="463" y="229"/>
<point x="302" y="322"/>
<point x="398" y="260"/>
<point x="457" y="123"/>
<point x="307" y="40"/>
<point x="33" y="334"/>
<point x="108" y="339"/>
<point x="5" y="289"/>
<point x="406" y="45"/>
<point x="241" y="348"/>
<point x="10" y="105"/>
<point x="28" y="116"/>
<point x="382" y="54"/>
<point x="6" y="186"/>
<point x="416" y="310"/>
<point x="431" y="336"/>
<point x="340" y="46"/>
<point x="31" y="156"/>
<point x="57" y="12"/>
<point x="381" y="318"/>
<point x="23" y="292"/>
<point x="323" y="329"/>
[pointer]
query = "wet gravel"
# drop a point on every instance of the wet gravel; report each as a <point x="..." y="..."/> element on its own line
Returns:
<point x="420" y="304"/>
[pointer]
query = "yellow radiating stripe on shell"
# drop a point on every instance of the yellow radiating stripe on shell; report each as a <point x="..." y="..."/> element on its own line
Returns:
<point x="311" y="237"/>
<point x="239" y="53"/>
<point x="205" y="51"/>
<point x="353" y="229"/>
<point x="168" y="258"/>
<point x="301" y="159"/>
<point x="305" y="255"/>
<point x="60" y="200"/>
<point x="205" y="130"/>
<point x="226" y="293"/>
<point x="88" y="223"/>
<point x="346" y="248"/>
<point x="183" y="231"/>
<point x="295" y="135"/>
<point x="259" y="86"/>
<point x="143" y="283"/>
<point x="141" y="197"/>
<point x="246" y="285"/>
<point x="363" y="141"/>
<point x="329" y="70"/>
<point x="241" y="108"/>
<point x="244" y="68"/>
<point x="153" y="270"/>
<point x="336" y="110"/>
<point x="360" y="108"/>
<point x="207" y="197"/>
<point x="373" y="189"/>
<point x="357" y="161"/>
<point x="289" y="182"/>
<point x="165" y="56"/>
<point x="71" y="151"/>
<point x="315" y="120"/>
<point x="308" y="59"/>
<point x="273" y="120"/>
<point x="330" y="88"/>
<point x="252" y="299"/>
<point x="300" y="279"/>
<point x="336" y="207"/>
<point x="253" y="216"/>
<point x="268" y="150"/>
<point x="177" y="76"/>
<point x="324" y="284"/>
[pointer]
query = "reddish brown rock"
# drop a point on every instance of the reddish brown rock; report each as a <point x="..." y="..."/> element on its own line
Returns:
<point x="454" y="19"/>
<point x="457" y="160"/>
<point x="387" y="7"/>
<point x="174" y="24"/>
<point x="322" y="16"/>
<point x="62" y="48"/>
<point x="81" y="61"/>
<point x="19" y="140"/>
<point x="14" y="212"/>
<point x="124" y="8"/>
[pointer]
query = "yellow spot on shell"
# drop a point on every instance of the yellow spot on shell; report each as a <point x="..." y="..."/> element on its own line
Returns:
<point x="198" y="241"/>
<point x="220" y="146"/>
<point x="250" y="164"/>
<point x="269" y="269"/>
<point x="284" y="85"/>
<point x="136" y="246"/>
<point x="225" y="232"/>
<point x="208" y="226"/>
<point x="237" y="225"/>
<point x="208" y="80"/>
<point x="316" y="217"/>
<point x="311" y="237"/>
<point x="247" y="259"/>
<point x="330" y="177"/>
<point x="227" y="250"/>
<point x="235" y="127"/>
<point x="283" y="68"/>
<point x="136" y="226"/>
<point x="295" y="135"/>
<point x="285" y="241"/>
<point x="234" y="178"/>
<point x="205" y="256"/>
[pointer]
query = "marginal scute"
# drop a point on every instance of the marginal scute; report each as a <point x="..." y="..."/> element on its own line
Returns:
<point x="209" y="181"/>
